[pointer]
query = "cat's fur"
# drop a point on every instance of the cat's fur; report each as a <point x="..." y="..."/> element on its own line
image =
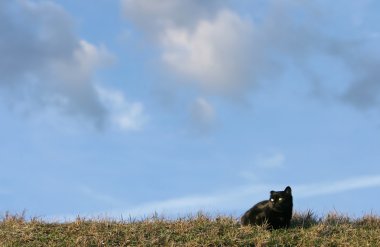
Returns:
<point x="276" y="212"/>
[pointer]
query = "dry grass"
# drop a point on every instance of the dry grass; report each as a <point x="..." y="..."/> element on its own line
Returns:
<point x="200" y="230"/>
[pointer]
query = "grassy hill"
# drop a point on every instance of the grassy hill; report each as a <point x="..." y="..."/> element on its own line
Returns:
<point x="199" y="230"/>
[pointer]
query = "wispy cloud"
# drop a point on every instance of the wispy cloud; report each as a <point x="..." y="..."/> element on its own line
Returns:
<point x="97" y="196"/>
<point x="232" y="200"/>
<point x="236" y="198"/>
<point x="4" y="191"/>
<point x="335" y="187"/>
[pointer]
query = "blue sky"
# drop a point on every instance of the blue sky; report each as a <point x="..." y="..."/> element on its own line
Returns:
<point x="133" y="107"/>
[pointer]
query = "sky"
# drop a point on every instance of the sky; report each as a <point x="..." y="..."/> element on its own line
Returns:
<point x="126" y="108"/>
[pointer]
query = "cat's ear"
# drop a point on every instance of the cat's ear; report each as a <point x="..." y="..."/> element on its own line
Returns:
<point x="271" y="192"/>
<point x="288" y="190"/>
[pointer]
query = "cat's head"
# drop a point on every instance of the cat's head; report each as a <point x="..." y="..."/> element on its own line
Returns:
<point x="281" y="200"/>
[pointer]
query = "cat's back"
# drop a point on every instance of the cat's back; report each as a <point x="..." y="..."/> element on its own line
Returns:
<point x="257" y="211"/>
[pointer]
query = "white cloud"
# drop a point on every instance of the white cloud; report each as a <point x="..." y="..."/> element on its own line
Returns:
<point x="219" y="51"/>
<point x="273" y="160"/>
<point x="131" y="118"/>
<point x="216" y="54"/>
<point x="215" y="48"/>
<point x="89" y="57"/>
<point x="153" y="16"/>
<point x="203" y="115"/>
<point x="68" y="83"/>
<point x="44" y="65"/>
<point x="265" y="161"/>
<point x="125" y="115"/>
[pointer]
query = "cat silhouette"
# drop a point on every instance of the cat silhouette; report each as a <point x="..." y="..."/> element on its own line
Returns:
<point x="275" y="212"/>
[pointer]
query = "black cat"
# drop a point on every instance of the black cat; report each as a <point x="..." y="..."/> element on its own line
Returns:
<point x="276" y="212"/>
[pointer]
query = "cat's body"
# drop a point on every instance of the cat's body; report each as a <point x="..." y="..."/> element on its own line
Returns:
<point x="276" y="212"/>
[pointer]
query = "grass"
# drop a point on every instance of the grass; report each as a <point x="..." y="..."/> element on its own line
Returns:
<point x="200" y="230"/>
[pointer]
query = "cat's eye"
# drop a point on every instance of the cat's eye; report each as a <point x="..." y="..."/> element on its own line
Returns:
<point x="272" y="200"/>
<point x="280" y="199"/>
